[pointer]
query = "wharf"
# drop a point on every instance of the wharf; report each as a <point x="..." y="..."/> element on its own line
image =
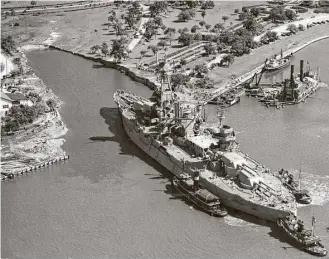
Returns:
<point x="244" y="78"/>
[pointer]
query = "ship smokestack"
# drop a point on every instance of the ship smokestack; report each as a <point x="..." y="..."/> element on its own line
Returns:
<point x="292" y="76"/>
<point x="301" y="73"/>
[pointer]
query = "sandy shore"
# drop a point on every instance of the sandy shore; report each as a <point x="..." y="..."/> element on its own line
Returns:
<point x="41" y="141"/>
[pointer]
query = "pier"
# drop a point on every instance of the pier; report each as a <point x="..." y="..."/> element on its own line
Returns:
<point x="247" y="76"/>
<point x="14" y="173"/>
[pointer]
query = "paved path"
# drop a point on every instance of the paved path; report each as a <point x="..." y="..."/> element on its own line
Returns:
<point x="284" y="28"/>
<point x="141" y="30"/>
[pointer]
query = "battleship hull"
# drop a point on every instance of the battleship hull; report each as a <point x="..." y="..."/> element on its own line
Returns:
<point x="221" y="189"/>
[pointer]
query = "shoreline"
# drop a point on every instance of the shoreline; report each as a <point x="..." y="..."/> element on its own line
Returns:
<point x="55" y="139"/>
<point x="132" y="72"/>
<point x="39" y="143"/>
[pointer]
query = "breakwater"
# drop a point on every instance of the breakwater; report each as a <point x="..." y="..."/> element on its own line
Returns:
<point x="14" y="173"/>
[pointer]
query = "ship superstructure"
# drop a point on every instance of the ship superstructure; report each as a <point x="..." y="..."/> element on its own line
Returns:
<point x="296" y="89"/>
<point x="277" y="62"/>
<point x="175" y="134"/>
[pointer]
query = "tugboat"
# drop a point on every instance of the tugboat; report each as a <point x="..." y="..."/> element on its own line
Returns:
<point x="302" y="196"/>
<point x="173" y="130"/>
<point x="202" y="198"/>
<point x="305" y="238"/>
<point x="277" y="62"/>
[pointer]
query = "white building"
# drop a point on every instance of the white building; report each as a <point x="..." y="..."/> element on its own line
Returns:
<point x="11" y="99"/>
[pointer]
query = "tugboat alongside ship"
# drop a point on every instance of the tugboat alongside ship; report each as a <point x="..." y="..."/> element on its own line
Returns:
<point x="305" y="239"/>
<point x="302" y="196"/>
<point x="200" y="197"/>
<point x="174" y="133"/>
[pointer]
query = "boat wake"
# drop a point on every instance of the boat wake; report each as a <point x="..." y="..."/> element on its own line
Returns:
<point x="236" y="222"/>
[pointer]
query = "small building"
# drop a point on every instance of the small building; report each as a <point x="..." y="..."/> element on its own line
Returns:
<point x="11" y="99"/>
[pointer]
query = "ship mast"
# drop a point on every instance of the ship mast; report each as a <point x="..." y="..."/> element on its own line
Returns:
<point x="313" y="223"/>
<point x="300" y="173"/>
<point x="220" y="115"/>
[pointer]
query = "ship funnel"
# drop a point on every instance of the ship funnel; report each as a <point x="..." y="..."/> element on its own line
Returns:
<point x="292" y="76"/>
<point x="301" y="73"/>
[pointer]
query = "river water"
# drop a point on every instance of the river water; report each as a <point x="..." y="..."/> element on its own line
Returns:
<point x="111" y="200"/>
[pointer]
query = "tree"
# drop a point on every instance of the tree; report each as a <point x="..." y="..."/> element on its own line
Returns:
<point x="182" y="62"/>
<point x="227" y="59"/>
<point x="186" y="15"/>
<point x="255" y="11"/>
<point x="194" y="28"/>
<point x="292" y="28"/>
<point x="170" y="32"/>
<point x="8" y="44"/>
<point x="203" y="14"/>
<point x="202" y="23"/>
<point x="207" y="27"/>
<point x="136" y="5"/>
<point x="94" y="49"/>
<point x="210" y="49"/>
<point x="191" y="4"/>
<point x="239" y="48"/>
<point x="130" y="21"/>
<point x="197" y="36"/>
<point x="219" y="26"/>
<point x="201" y="70"/>
<point x="243" y="16"/>
<point x="251" y="25"/>
<point x="290" y="14"/>
<point x="143" y="52"/>
<point x="207" y="5"/>
<point x="162" y="43"/>
<point x="105" y="49"/>
<point x="178" y="79"/>
<point x="51" y="104"/>
<point x="301" y="27"/>
<point x="157" y="7"/>
<point x="17" y="61"/>
<point x="269" y="36"/>
<point x="153" y="48"/>
<point x="158" y="22"/>
<point x="236" y="11"/>
<point x="119" y="29"/>
<point x="119" y="49"/>
<point x="225" y="18"/>
<point x="186" y="38"/>
<point x="33" y="2"/>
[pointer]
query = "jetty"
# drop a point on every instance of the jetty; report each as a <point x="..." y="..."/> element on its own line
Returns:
<point x="16" y="172"/>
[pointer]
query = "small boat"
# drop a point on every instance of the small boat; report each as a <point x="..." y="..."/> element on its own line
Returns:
<point x="232" y="100"/>
<point x="225" y="100"/>
<point x="301" y="196"/>
<point x="304" y="238"/>
<point x="277" y="62"/>
<point x="202" y="198"/>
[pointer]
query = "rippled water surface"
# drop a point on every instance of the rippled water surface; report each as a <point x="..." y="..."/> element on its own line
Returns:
<point x="111" y="200"/>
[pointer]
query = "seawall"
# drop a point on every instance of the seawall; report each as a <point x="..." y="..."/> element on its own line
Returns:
<point x="152" y="84"/>
<point x="133" y="75"/>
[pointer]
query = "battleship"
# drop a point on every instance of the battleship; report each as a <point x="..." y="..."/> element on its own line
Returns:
<point x="174" y="133"/>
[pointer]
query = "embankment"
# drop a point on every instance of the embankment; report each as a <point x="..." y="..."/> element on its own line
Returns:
<point x="37" y="143"/>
